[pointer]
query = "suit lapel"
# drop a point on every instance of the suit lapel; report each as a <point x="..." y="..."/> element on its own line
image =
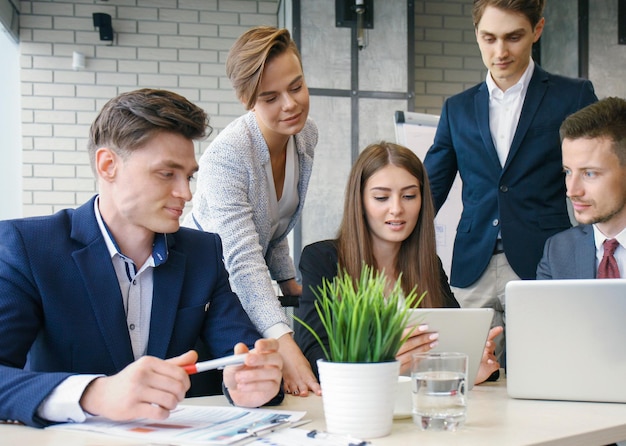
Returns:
<point x="534" y="95"/>
<point x="166" y="294"/>
<point x="481" y="111"/>
<point x="93" y="261"/>
<point x="585" y="259"/>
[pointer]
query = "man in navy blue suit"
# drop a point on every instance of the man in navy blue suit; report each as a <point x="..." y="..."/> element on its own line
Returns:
<point x="594" y="161"/>
<point x="101" y="306"/>
<point x="502" y="137"/>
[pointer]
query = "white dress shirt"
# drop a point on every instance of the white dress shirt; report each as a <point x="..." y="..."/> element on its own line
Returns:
<point x="505" y="108"/>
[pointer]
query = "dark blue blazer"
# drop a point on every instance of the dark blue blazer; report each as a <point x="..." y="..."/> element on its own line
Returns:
<point x="525" y="199"/>
<point x="569" y="254"/>
<point x="61" y="310"/>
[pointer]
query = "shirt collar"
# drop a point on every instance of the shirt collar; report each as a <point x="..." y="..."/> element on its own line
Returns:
<point x="521" y="85"/>
<point x="599" y="237"/>
<point x="159" y="247"/>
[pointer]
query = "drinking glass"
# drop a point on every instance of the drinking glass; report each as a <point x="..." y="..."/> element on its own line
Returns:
<point x="438" y="390"/>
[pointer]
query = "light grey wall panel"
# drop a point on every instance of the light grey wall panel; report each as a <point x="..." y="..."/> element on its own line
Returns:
<point x="607" y="59"/>
<point x="559" y="42"/>
<point x="383" y="62"/>
<point x="324" y="202"/>
<point x="376" y="120"/>
<point x="326" y="55"/>
<point x="325" y="48"/>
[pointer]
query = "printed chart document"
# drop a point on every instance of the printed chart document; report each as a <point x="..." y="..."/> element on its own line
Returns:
<point x="194" y="425"/>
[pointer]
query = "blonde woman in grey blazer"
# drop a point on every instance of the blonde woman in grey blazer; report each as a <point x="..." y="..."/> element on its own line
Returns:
<point x="252" y="184"/>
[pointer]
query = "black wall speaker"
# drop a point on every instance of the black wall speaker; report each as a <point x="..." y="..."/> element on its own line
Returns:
<point x="345" y="13"/>
<point x="102" y="21"/>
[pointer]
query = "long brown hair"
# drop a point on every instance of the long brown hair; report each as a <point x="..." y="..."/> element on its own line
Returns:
<point x="417" y="258"/>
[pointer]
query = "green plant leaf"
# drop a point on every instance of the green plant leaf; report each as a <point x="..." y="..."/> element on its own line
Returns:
<point x="361" y="322"/>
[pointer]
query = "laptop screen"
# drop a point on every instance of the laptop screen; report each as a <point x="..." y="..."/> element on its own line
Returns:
<point x="566" y="339"/>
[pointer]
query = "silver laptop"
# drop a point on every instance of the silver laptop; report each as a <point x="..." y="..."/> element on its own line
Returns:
<point x="463" y="330"/>
<point x="566" y="339"/>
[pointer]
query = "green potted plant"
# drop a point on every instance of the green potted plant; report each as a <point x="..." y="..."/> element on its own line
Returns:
<point x="364" y="321"/>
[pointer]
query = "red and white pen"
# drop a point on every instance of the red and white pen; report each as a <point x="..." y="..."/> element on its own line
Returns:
<point x="218" y="363"/>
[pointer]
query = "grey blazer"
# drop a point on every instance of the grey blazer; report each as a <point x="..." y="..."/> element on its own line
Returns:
<point x="570" y="254"/>
<point x="232" y="199"/>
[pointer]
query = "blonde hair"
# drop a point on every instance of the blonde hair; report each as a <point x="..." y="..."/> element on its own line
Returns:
<point x="249" y="55"/>
<point x="417" y="260"/>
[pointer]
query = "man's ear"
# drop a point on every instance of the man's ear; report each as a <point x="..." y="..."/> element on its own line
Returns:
<point x="106" y="163"/>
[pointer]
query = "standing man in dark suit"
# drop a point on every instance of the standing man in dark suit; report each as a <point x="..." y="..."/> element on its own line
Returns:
<point x="93" y="300"/>
<point x="502" y="137"/>
<point x="594" y="161"/>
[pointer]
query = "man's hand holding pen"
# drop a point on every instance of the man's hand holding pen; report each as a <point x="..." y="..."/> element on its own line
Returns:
<point x="151" y="387"/>
<point x="147" y="388"/>
<point x="257" y="380"/>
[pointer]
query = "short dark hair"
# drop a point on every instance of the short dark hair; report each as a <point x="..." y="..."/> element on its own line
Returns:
<point x="131" y="119"/>
<point x="531" y="9"/>
<point x="603" y="119"/>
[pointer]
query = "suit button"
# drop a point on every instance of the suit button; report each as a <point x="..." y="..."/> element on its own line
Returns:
<point x="504" y="188"/>
<point x="495" y="222"/>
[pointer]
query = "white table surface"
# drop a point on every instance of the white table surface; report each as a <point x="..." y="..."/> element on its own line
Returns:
<point x="493" y="418"/>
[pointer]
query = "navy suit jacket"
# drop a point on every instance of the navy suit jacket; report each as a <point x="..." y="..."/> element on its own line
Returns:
<point x="569" y="254"/>
<point x="61" y="310"/>
<point x="525" y="199"/>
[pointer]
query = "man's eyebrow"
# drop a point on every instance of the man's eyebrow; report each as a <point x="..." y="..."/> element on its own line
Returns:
<point x="586" y="167"/>
<point x="171" y="163"/>
<point x="511" y="33"/>
<point x="176" y="165"/>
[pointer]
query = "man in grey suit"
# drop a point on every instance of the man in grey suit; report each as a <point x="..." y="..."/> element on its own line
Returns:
<point x="594" y="162"/>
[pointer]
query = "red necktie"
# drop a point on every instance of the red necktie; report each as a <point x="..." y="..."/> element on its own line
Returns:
<point x="608" y="265"/>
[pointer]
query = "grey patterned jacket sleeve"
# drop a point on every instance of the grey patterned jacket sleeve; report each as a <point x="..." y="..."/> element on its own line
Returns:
<point x="232" y="199"/>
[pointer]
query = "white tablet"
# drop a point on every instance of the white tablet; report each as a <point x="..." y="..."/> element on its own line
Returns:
<point x="462" y="330"/>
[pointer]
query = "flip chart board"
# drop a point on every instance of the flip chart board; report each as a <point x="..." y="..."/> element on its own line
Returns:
<point x="417" y="132"/>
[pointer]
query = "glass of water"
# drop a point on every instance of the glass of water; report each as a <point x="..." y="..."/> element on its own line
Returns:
<point x="438" y="389"/>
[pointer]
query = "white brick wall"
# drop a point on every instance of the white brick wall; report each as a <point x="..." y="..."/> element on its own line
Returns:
<point x="180" y="45"/>
<point x="447" y="59"/>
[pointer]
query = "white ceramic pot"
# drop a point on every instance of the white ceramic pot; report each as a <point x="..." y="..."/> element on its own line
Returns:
<point x="359" y="397"/>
